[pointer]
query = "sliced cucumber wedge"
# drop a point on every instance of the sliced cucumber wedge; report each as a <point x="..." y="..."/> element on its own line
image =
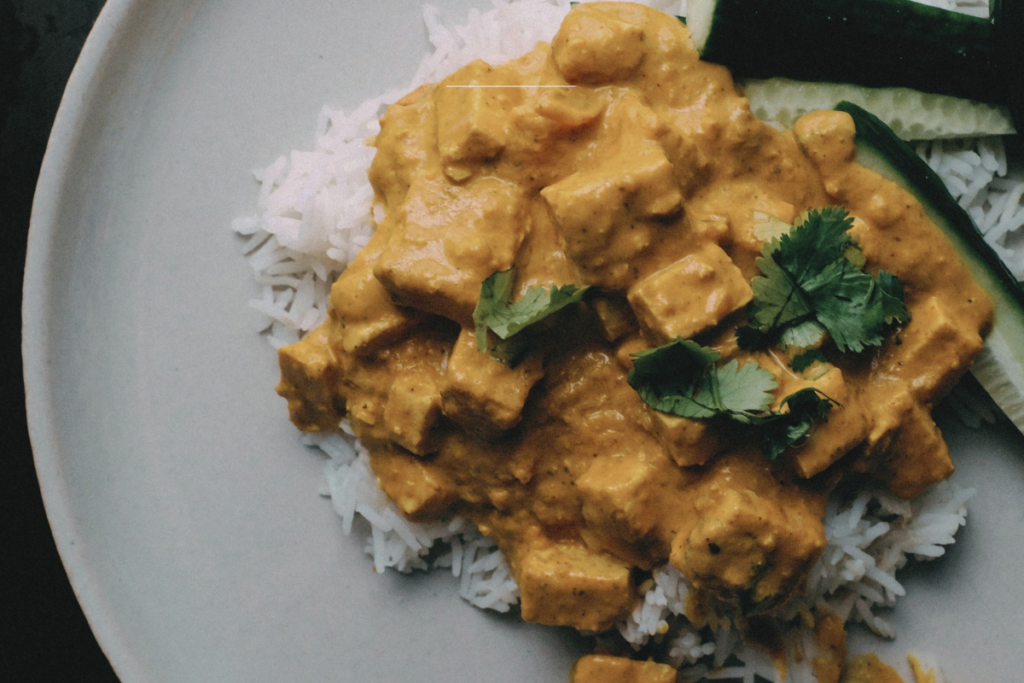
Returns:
<point x="912" y="115"/>
<point x="869" y="42"/>
<point x="1000" y="367"/>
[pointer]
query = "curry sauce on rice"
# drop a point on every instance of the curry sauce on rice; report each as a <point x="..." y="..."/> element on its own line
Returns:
<point x="615" y="170"/>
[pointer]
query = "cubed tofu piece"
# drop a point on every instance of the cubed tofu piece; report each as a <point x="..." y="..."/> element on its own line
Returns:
<point x="471" y="120"/>
<point x="307" y="374"/>
<point x="414" y="404"/>
<point x="889" y="402"/>
<point x="691" y="295"/>
<point x="482" y="394"/>
<point x="611" y="669"/>
<point x="934" y="351"/>
<point x="905" y="448"/>
<point x="618" y="493"/>
<point x="634" y="343"/>
<point x="827" y="138"/>
<point x="601" y="214"/>
<point x="641" y="180"/>
<point x="846" y="426"/>
<point x="593" y="47"/>
<point x="749" y="548"/>
<point x="688" y="442"/>
<point x="367" y="317"/>
<point x="571" y="108"/>
<point x="732" y="541"/>
<point x="418" y="489"/>
<point x="921" y="456"/>
<point x="571" y="585"/>
<point x="769" y="217"/>
<point x="447" y="239"/>
<point x="614" y="316"/>
<point x="407" y="142"/>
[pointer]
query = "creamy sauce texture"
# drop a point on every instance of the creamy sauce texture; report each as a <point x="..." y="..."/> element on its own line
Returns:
<point x="643" y="174"/>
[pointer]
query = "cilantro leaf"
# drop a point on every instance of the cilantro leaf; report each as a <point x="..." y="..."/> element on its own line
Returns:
<point x="786" y="428"/>
<point x="681" y="379"/>
<point x="673" y="378"/>
<point x="893" y="308"/>
<point x="744" y="389"/>
<point x="813" y="281"/>
<point x="800" y="335"/>
<point x="496" y="312"/>
<point x="819" y="240"/>
<point x="804" y="360"/>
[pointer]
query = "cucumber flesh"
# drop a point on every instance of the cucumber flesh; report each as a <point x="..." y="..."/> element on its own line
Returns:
<point x="1000" y="367"/>
<point x="911" y="114"/>
<point x="878" y="43"/>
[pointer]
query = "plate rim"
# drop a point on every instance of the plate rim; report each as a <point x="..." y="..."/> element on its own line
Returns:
<point x="62" y="144"/>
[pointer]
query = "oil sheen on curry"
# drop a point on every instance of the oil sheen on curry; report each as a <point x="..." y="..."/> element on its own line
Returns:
<point x="614" y="159"/>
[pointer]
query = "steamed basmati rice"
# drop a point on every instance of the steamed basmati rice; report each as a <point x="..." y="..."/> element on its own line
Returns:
<point x="313" y="215"/>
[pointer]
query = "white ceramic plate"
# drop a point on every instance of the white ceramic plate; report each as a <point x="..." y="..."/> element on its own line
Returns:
<point x="184" y="509"/>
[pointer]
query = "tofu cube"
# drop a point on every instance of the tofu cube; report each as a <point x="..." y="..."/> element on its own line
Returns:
<point x="368" y="318"/>
<point x="617" y="492"/>
<point x="846" y="427"/>
<point x="412" y="409"/>
<point x="748" y="546"/>
<point x="307" y="375"/>
<point x="889" y="403"/>
<point x="570" y="108"/>
<point x="482" y="394"/>
<point x="418" y="489"/>
<point x="688" y="442"/>
<point x="571" y="585"/>
<point x="446" y="239"/>
<point x="920" y="455"/>
<point x="614" y="316"/>
<point x="691" y="295"/>
<point x="600" y="214"/>
<point x="611" y="669"/>
<point x="595" y="47"/>
<point x="933" y="352"/>
<point x="641" y="180"/>
<point x="471" y="120"/>
<point x="905" y="448"/>
<point x="634" y="343"/>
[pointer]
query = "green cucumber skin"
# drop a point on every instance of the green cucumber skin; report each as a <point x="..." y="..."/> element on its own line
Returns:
<point x="870" y="42"/>
<point x="879" y="149"/>
<point x="1008" y="39"/>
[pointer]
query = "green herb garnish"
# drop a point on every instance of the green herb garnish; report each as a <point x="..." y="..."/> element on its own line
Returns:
<point x="496" y="312"/>
<point x="804" y="360"/>
<point x="793" y="425"/>
<point x="812" y="282"/>
<point x="682" y="379"/>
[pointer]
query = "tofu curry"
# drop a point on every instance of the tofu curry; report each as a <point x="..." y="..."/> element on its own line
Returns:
<point x="613" y="158"/>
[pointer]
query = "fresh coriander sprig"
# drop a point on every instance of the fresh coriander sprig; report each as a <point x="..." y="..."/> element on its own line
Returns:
<point x="495" y="310"/>
<point x="813" y="281"/>
<point x="681" y="378"/>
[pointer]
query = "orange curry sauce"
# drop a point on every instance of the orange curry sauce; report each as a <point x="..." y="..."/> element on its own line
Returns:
<point x="643" y="175"/>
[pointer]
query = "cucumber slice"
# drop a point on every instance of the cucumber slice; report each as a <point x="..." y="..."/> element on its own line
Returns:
<point x="911" y="114"/>
<point x="1000" y="367"/>
<point x="876" y="43"/>
<point x="1008" y="34"/>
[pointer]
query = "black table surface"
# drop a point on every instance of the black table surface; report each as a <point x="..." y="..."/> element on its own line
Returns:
<point x="43" y="634"/>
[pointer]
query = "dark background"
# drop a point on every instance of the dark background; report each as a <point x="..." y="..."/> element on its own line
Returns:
<point x="43" y="635"/>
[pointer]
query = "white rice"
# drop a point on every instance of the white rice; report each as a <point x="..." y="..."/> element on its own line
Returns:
<point x="312" y="216"/>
